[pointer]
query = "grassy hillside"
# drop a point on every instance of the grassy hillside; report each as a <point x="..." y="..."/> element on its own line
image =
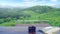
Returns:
<point x="32" y="13"/>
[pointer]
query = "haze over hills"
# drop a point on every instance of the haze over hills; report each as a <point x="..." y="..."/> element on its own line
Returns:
<point x="9" y="16"/>
<point x="7" y="6"/>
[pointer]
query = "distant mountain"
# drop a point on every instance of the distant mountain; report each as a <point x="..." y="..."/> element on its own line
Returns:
<point x="57" y="6"/>
<point x="32" y="13"/>
<point x="41" y="9"/>
<point x="44" y="13"/>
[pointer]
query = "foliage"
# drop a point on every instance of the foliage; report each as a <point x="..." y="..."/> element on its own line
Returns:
<point x="9" y="17"/>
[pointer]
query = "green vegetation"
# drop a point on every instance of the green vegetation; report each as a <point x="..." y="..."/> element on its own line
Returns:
<point x="10" y="17"/>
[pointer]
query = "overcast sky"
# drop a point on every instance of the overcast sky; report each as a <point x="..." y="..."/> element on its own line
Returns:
<point x="28" y="3"/>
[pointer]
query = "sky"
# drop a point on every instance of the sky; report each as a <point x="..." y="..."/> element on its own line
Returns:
<point x="29" y="3"/>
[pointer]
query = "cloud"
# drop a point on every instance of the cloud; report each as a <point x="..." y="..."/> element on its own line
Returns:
<point x="27" y="3"/>
<point x="53" y="0"/>
<point x="27" y="0"/>
<point x="31" y="0"/>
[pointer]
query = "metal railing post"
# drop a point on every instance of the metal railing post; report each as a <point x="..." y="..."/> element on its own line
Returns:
<point x="32" y="30"/>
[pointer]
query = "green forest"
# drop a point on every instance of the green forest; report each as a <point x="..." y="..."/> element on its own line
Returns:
<point x="10" y="16"/>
